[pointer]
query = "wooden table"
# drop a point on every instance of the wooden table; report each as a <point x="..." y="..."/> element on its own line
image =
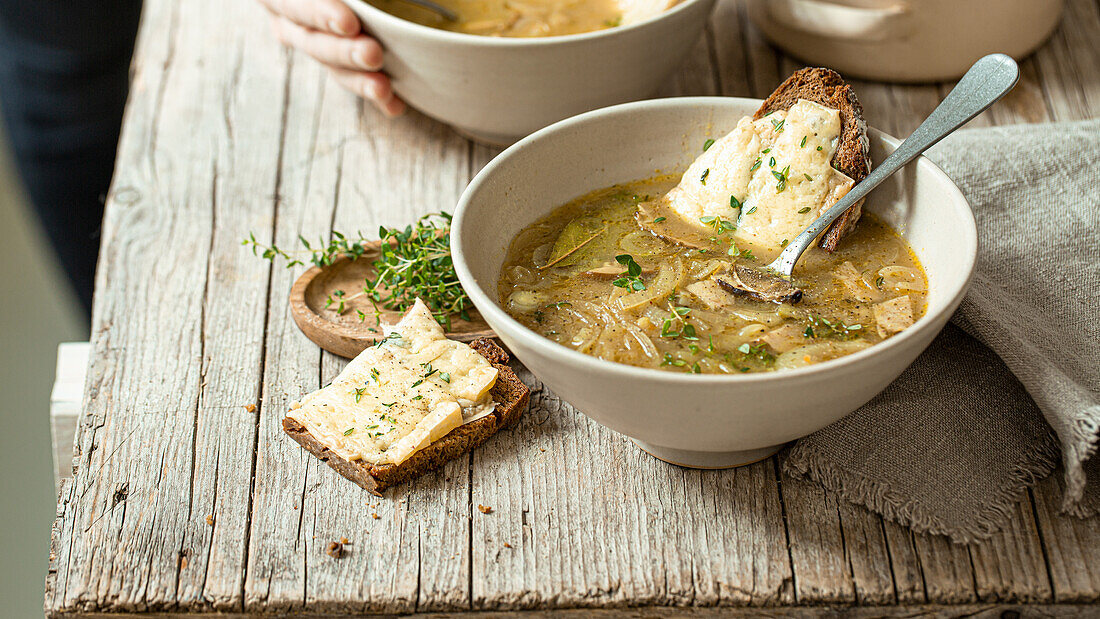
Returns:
<point x="188" y="498"/>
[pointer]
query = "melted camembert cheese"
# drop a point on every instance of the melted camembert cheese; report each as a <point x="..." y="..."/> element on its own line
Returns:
<point x="777" y="171"/>
<point x="399" y="396"/>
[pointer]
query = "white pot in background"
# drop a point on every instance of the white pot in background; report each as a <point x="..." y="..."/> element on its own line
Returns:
<point x="905" y="40"/>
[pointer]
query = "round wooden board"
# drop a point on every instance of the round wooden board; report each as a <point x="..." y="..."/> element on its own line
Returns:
<point x="345" y="334"/>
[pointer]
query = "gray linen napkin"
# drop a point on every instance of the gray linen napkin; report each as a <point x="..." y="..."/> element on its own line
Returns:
<point x="951" y="445"/>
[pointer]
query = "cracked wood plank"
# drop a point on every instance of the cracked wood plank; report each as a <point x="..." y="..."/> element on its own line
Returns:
<point x="159" y="524"/>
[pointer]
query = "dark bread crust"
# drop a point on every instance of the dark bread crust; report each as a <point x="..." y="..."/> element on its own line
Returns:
<point x="509" y="393"/>
<point x="852" y="157"/>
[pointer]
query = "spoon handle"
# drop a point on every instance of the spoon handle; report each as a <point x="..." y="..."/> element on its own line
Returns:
<point x="987" y="81"/>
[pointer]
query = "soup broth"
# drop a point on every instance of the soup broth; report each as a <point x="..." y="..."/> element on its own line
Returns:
<point x="588" y="277"/>
<point x="514" y="18"/>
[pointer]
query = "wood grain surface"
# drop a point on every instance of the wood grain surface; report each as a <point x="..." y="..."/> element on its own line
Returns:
<point x="187" y="497"/>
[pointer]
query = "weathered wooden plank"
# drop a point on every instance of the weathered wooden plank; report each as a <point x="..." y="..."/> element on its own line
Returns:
<point x="821" y="573"/>
<point x="1010" y="567"/>
<point x="969" y="611"/>
<point x="278" y="543"/>
<point x="747" y="65"/>
<point x="212" y="556"/>
<point x="904" y="564"/>
<point x="946" y="569"/>
<point x="1072" y="545"/>
<point x="868" y="555"/>
<point x="144" y="512"/>
<point x="1070" y="62"/>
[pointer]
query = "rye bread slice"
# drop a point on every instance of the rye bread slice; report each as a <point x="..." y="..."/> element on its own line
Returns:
<point x="511" y="398"/>
<point x="852" y="156"/>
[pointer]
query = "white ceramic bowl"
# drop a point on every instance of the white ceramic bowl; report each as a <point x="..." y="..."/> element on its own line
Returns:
<point x="696" y="420"/>
<point x="905" y="40"/>
<point x="498" y="89"/>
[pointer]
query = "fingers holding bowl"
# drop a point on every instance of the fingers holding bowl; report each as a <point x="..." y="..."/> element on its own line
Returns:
<point x="359" y="53"/>
<point x="329" y="16"/>
<point x="374" y="87"/>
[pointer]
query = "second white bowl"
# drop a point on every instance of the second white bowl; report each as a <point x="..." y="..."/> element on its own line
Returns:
<point x="498" y="89"/>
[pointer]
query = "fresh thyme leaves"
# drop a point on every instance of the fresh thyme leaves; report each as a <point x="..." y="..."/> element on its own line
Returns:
<point x="740" y="253"/>
<point x="751" y="211"/>
<point x="414" y="262"/>
<point x="818" y="148"/>
<point x="359" y="394"/>
<point x="349" y="431"/>
<point x="803" y="143"/>
<point x="337" y="296"/>
<point x="754" y="166"/>
<point x="784" y="243"/>
<point x="392" y="336"/>
<point x="758" y="352"/>
<point x="659" y="220"/>
<point x="781" y="177"/>
<point x="719" y="225"/>
<point x="808" y="177"/>
<point x="707" y="144"/>
<point x="669" y="360"/>
<point x="703" y="178"/>
<point x="321" y="254"/>
<point x="777" y="125"/>
<point x="771" y="162"/>
<point x="735" y="203"/>
<point x="445" y="377"/>
<point x="632" y="279"/>
<point x="374" y="373"/>
<point x="817" y="326"/>
<point x="804" y="209"/>
<point x="677" y="316"/>
<point x="879" y="281"/>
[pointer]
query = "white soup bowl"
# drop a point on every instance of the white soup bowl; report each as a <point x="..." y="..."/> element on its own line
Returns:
<point x="706" y="421"/>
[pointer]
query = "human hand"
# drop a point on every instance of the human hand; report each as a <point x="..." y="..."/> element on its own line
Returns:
<point x="330" y="32"/>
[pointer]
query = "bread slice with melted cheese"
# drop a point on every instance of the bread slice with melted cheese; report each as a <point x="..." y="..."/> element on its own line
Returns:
<point x="852" y="155"/>
<point x="773" y="174"/>
<point x="408" y="405"/>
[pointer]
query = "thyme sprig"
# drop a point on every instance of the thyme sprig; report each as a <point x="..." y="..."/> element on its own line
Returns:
<point x="818" y="327"/>
<point x="413" y="262"/>
<point x="632" y="278"/>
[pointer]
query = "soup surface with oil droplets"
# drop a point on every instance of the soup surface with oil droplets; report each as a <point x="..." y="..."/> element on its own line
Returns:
<point x="588" y="277"/>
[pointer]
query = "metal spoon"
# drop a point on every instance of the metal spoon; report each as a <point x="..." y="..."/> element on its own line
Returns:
<point x="987" y="81"/>
<point x="440" y="10"/>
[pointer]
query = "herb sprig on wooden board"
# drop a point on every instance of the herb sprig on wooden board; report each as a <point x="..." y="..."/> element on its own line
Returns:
<point x="414" y="262"/>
